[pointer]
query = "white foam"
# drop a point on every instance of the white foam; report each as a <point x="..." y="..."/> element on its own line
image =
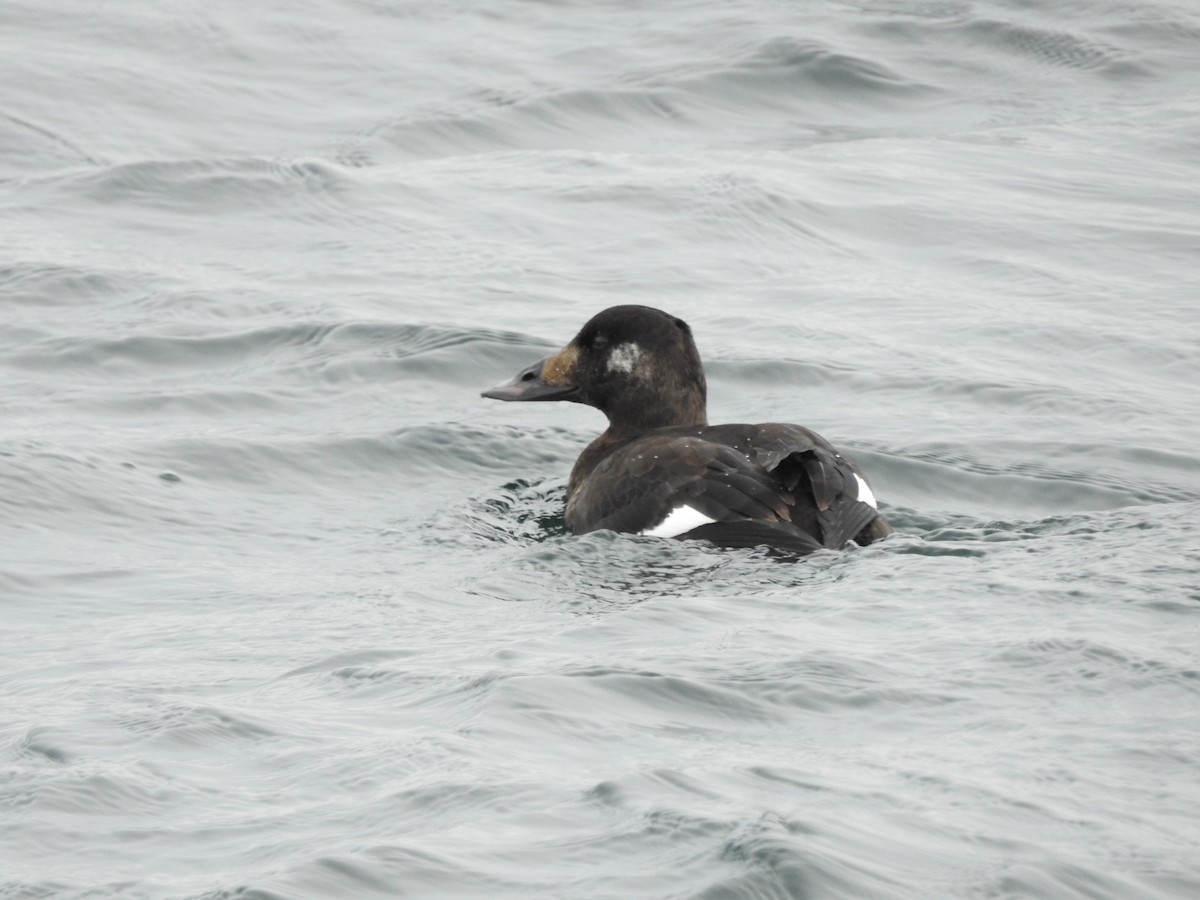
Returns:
<point x="864" y="492"/>
<point x="679" y="521"/>
<point x="624" y="357"/>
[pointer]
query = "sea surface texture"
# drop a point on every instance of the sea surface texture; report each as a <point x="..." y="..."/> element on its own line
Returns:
<point x="288" y="612"/>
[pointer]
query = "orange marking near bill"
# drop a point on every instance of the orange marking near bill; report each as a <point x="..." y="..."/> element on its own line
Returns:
<point x="560" y="368"/>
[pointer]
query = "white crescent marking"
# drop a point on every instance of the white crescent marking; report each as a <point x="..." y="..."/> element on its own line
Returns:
<point x="864" y="492"/>
<point x="679" y="521"/>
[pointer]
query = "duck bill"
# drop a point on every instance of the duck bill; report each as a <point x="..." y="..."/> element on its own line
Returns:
<point x="531" y="384"/>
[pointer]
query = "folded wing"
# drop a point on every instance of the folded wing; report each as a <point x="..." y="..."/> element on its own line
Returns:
<point x="734" y="485"/>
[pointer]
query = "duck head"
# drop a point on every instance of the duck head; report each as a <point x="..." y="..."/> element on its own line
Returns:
<point x="637" y="365"/>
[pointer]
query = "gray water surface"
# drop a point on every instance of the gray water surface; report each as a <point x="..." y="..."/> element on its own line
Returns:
<point x="288" y="611"/>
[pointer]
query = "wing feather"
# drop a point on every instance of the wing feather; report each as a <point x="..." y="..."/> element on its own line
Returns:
<point x="781" y="485"/>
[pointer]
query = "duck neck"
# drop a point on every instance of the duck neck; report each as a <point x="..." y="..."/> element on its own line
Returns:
<point x="633" y="420"/>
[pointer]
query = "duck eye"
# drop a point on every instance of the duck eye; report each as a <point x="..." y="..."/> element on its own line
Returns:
<point x="599" y="342"/>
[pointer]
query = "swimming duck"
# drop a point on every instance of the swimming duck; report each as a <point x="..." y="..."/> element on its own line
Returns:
<point x="661" y="470"/>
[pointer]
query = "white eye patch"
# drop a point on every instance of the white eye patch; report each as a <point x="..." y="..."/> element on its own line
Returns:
<point x="624" y="357"/>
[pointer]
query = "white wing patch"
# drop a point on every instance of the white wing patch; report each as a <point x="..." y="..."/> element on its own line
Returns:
<point x="624" y="358"/>
<point x="864" y="492"/>
<point x="680" y="520"/>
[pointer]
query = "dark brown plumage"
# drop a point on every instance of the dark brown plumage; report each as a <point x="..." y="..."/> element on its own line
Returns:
<point x="660" y="469"/>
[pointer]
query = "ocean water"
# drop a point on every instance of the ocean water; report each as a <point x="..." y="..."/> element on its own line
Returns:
<point x="288" y="611"/>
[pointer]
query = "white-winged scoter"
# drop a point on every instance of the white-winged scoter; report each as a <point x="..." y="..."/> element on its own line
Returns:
<point x="661" y="470"/>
